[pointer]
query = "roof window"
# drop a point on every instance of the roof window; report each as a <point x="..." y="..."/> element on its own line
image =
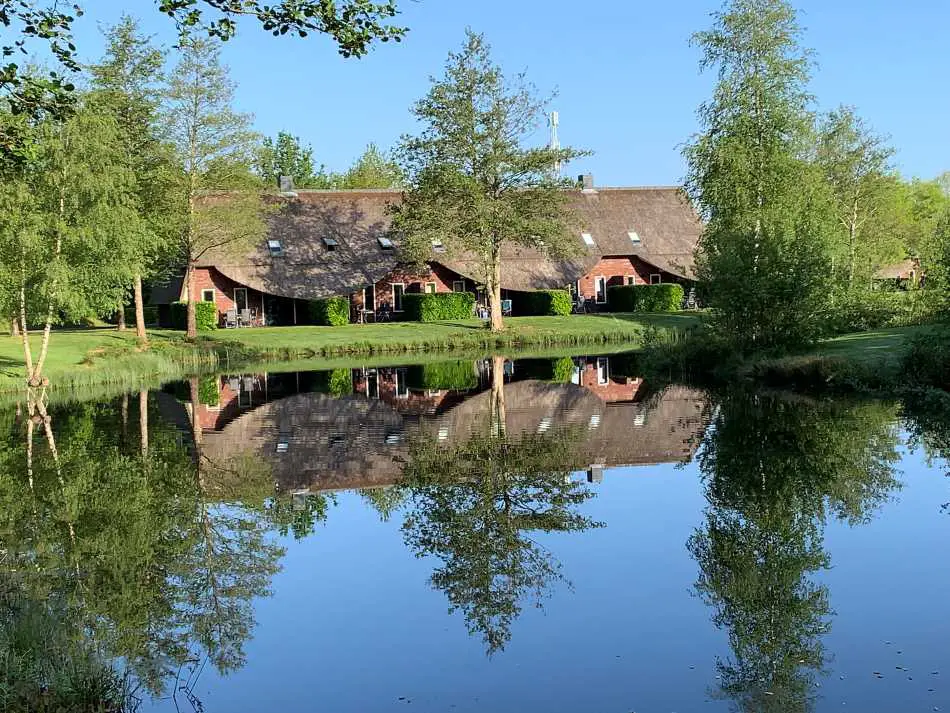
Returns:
<point x="438" y="246"/>
<point x="330" y="243"/>
<point x="384" y="242"/>
<point x="275" y="248"/>
<point x="634" y="238"/>
<point x="588" y="239"/>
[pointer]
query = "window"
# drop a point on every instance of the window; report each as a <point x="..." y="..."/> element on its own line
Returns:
<point x="398" y="291"/>
<point x="438" y="246"/>
<point x="656" y="278"/>
<point x="275" y="248"/>
<point x="385" y="243"/>
<point x="545" y="424"/>
<point x="330" y="243"/>
<point x="207" y="295"/>
<point x="600" y="290"/>
<point x="631" y="279"/>
<point x="634" y="238"/>
<point x="588" y="239"/>
<point x="603" y="370"/>
<point x="372" y="384"/>
<point x="430" y="288"/>
<point x="240" y="298"/>
<point x="402" y="387"/>
<point x="640" y="420"/>
<point x="369" y="298"/>
<point x="458" y="286"/>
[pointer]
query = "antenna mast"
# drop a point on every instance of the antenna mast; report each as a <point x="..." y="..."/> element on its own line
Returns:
<point x="553" y="120"/>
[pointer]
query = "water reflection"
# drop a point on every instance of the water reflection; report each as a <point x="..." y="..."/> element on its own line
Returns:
<point x="774" y="470"/>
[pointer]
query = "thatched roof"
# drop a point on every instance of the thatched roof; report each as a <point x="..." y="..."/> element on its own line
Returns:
<point x="903" y="270"/>
<point x="667" y="227"/>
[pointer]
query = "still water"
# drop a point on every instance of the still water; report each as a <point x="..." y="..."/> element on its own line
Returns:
<point x="546" y="534"/>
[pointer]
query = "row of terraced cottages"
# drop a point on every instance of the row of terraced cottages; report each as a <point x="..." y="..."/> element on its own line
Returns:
<point x="337" y="243"/>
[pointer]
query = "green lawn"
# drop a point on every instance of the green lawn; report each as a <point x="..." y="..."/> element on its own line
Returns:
<point x="878" y="345"/>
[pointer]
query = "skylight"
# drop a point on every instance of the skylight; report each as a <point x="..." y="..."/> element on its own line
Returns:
<point x="634" y="238"/>
<point x="274" y="247"/>
<point x="385" y="243"/>
<point x="330" y="243"/>
<point x="438" y="246"/>
<point x="588" y="239"/>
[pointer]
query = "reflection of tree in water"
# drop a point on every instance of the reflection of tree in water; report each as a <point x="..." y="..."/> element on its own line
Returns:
<point x="157" y="561"/>
<point x="774" y="470"/>
<point x="926" y="416"/>
<point x="474" y="505"/>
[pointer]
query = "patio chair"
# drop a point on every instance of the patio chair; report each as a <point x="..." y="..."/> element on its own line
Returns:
<point x="231" y="319"/>
<point x="384" y="314"/>
<point x="506" y="308"/>
<point x="245" y="318"/>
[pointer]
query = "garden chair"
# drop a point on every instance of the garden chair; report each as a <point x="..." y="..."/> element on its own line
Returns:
<point x="245" y="318"/>
<point x="231" y="319"/>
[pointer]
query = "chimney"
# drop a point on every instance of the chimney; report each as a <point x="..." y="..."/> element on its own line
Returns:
<point x="586" y="181"/>
<point x="286" y="184"/>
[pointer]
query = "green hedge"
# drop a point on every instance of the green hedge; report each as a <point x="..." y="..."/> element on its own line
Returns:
<point x="208" y="391"/>
<point x="557" y="370"/>
<point x="206" y="315"/>
<point x="862" y="310"/>
<point x="443" y="375"/>
<point x="543" y="303"/>
<point x="330" y="312"/>
<point x="667" y="297"/>
<point x="336" y="383"/>
<point x="438" y="307"/>
<point x="151" y="315"/>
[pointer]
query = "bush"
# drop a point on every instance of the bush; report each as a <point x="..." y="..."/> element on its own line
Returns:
<point x="208" y="393"/>
<point x="336" y="383"/>
<point x="330" y="312"/>
<point x="443" y="376"/>
<point x="151" y="315"/>
<point x="927" y="361"/>
<point x="557" y="370"/>
<point x="861" y="311"/>
<point x="543" y="303"/>
<point x="667" y="297"/>
<point x="206" y="315"/>
<point x="439" y="306"/>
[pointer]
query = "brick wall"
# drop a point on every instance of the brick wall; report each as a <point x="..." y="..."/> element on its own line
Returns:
<point x="616" y="389"/>
<point x="414" y="283"/>
<point x="619" y="271"/>
<point x="208" y="278"/>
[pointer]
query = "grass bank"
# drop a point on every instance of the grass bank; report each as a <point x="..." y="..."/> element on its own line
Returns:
<point x="84" y="358"/>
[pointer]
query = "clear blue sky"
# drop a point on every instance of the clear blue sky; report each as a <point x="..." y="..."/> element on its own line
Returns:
<point x="628" y="82"/>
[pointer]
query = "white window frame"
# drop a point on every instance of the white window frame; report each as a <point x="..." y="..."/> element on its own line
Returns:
<point x="425" y="288"/>
<point x="205" y="291"/>
<point x="588" y="240"/>
<point x="393" y="287"/>
<point x="635" y="238"/>
<point x="372" y="377"/>
<point x="603" y="366"/>
<point x="597" y="299"/>
<point x="658" y="280"/>
<point x="458" y="286"/>
<point x="629" y="279"/>
<point x="402" y="387"/>
<point x="247" y="304"/>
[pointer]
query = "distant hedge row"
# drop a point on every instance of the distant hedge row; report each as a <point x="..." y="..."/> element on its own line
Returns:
<point x="443" y="375"/>
<point x="330" y="312"/>
<point x="206" y="315"/>
<point x="543" y="303"/>
<point x="667" y="297"/>
<point x="438" y="307"/>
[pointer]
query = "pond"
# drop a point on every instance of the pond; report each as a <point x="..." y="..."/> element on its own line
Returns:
<point x="550" y="534"/>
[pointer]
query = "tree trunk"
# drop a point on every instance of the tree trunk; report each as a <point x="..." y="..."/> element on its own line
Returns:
<point x="139" y="312"/>
<point x="192" y="328"/>
<point x="852" y="246"/>
<point x="499" y="413"/>
<point x="14" y="327"/>
<point x="124" y="409"/>
<point x="494" y="294"/>
<point x="120" y="318"/>
<point x="143" y="421"/>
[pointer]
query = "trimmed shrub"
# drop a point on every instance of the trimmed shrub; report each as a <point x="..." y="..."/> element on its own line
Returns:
<point x="206" y="315"/>
<point x="438" y="307"/>
<point x="861" y="311"/>
<point x="443" y="376"/>
<point x="208" y="393"/>
<point x="562" y="370"/>
<point x="666" y="297"/>
<point x="151" y="315"/>
<point x="558" y="370"/>
<point x="330" y="312"/>
<point x="336" y="383"/>
<point x="543" y="303"/>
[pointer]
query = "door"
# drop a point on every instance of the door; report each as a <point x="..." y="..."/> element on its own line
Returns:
<point x="240" y="298"/>
<point x="600" y="290"/>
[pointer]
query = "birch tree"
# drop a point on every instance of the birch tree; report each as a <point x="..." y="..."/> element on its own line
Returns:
<point x="763" y="254"/>
<point x="474" y="184"/>
<point x="855" y="162"/>
<point x="207" y="134"/>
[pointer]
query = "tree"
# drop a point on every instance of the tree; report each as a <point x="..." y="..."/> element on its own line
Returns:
<point x="286" y="156"/>
<point x="128" y="84"/>
<point x="471" y="183"/>
<point x="211" y="139"/>
<point x="374" y="169"/>
<point x="855" y="163"/>
<point x="354" y="25"/>
<point x="763" y="254"/>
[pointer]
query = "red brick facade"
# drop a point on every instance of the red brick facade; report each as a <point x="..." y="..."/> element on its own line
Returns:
<point x="620" y="271"/>
<point x="437" y="279"/>
<point x="207" y="278"/>
<point x="596" y="377"/>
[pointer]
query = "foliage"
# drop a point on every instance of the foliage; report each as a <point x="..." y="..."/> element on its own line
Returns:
<point x="438" y="307"/>
<point x="763" y="254"/>
<point x="150" y="312"/>
<point x="562" y="370"/>
<point x="557" y="370"/>
<point x="666" y="297"/>
<point x="927" y="361"/>
<point x="208" y="391"/>
<point x="443" y="376"/>
<point x="206" y="315"/>
<point x="472" y="184"/>
<point x="861" y="311"/>
<point x="286" y="156"/>
<point x="374" y="169"/>
<point x="330" y="312"/>
<point x="543" y="302"/>
<point x="477" y="506"/>
<point x="336" y="383"/>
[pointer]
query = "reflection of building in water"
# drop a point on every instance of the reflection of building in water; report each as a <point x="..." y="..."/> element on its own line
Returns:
<point x="355" y="435"/>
